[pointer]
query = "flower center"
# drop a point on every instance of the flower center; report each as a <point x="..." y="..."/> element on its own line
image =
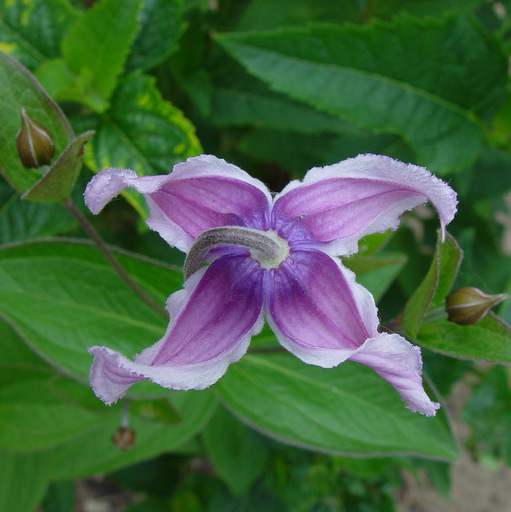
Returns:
<point x="266" y="247"/>
<point x="271" y="259"/>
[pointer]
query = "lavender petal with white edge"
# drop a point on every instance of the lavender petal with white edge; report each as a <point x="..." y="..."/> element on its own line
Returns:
<point x="199" y="194"/>
<point x="399" y="363"/>
<point x="341" y="203"/>
<point x="212" y="321"/>
<point x="317" y="310"/>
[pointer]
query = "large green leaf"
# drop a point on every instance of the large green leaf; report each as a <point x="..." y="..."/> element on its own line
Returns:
<point x="21" y="220"/>
<point x="93" y="452"/>
<point x="345" y="410"/>
<point x="31" y="30"/>
<point x="63" y="297"/>
<point x="33" y="416"/>
<point x="230" y="444"/>
<point x="20" y="89"/>
<point x="427" y="81"/>
<point x="143" y="132"/>
<point x="24" y="479"/>
<point x="94" y="52"/>
<point x="487" y="340"/>
<point x="270" y="14"/>
<point x="161" y="24"/>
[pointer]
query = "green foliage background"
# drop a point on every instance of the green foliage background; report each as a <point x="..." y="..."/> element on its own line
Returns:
<point x="276" y="87"/>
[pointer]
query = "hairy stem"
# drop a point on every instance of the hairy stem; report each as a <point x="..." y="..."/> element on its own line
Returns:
<point x="254" y="239"/>
<point x="96" y="238"/>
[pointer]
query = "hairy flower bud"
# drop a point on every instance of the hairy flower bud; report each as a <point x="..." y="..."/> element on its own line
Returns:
<point x="467" y="306"/>
<point x="34" y="143"/>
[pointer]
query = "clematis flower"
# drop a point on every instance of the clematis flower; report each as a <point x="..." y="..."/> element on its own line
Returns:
<point x="274" y="258"/>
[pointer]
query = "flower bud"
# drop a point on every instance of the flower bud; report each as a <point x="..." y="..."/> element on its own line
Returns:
<point x="466" y="306"/>
<point x="124" y="438"/>
<point x="34" y="143"/>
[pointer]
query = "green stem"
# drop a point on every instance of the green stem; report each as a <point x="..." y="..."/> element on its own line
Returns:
<point x="96" y="238"/>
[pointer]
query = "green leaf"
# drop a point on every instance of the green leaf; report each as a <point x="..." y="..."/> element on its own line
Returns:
<point x="93" y="452"/>
<point x="31" y="30"/>
<point x="63" y="298"/>
<point x="21" y="220"/>
<point x="32" y="417"/>
<point x="94" y="52"/>
<point x="435" y="286"/>
<point x="161" y="24"/>
<point x="385" y="76"/>
<point x="489" y="416"/>
<point x="376" y="272"/>
<point x="487" y="340"/>
<point x="230" y="444"/>
<point x="298" y="152"/>
<point x="239" y="100"/>
<point x="20" y="89"/>
<point x="24" y="479"/>
<point x="56" y="185"/>
<point x="344" y="410"/>
<point x="60" y="497"/>
<point x="142" y="132"/>
<point x="14" y="351"/>
<point x="271" y="14"/>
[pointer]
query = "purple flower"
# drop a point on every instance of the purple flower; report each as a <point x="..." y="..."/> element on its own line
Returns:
<point x="274" y="258"/>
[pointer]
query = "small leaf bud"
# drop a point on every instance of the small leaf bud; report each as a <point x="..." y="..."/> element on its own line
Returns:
<point x="124" y="438"/>
<point x="468" y="305"/>
<point x="34" y="143"/>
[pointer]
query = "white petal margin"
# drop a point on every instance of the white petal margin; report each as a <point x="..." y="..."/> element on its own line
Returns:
<point x="112" y="373"/>
<point x="329" y="200"/>
<point x="399" y="363"/>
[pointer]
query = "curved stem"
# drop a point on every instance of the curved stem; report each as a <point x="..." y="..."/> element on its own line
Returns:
<point x="260" y="241"/>
<point x="96" y="238"/>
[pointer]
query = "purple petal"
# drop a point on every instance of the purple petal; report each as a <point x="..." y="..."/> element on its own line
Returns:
<point x="341" y="203"/>
<point x="212" y="321"/>
<point x="317" y="310"/>
<point x="400" y="364"/>
<point x="202" y="193"/>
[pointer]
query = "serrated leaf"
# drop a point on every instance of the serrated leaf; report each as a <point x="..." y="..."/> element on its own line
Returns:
<point x="31" y="31"/>
<point x="407" y="77"/>
<point x="63" y="298"/>
<point x="94" y="452"/>
<point x="20" y="89"/>
<point x="56" y="185"/>
<point x="435" y="285"/>
<point x="344" y="410"/>
<point x="94" y="52"/>
<point x="161" y="24"/>
<point x="97" y="45"/>
<point x="142" y="132"/>
<point x="487" y="340"/>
